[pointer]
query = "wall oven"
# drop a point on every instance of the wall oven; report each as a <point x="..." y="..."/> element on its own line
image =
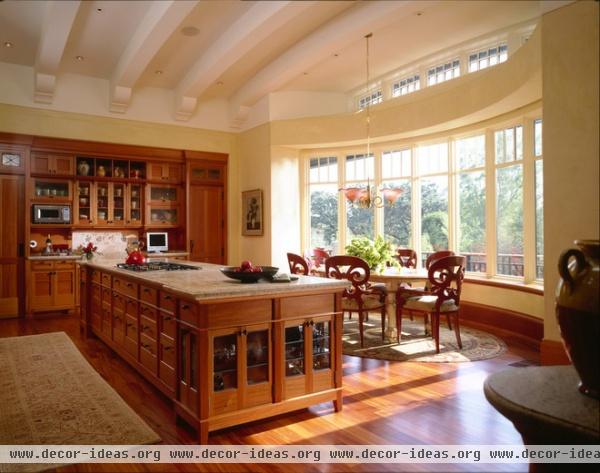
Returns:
<point x="51" y="213"/>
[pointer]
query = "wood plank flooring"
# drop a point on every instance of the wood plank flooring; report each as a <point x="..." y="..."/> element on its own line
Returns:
<point x="384" y="403"/>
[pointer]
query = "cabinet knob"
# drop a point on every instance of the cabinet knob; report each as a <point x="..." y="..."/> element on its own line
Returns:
<point x="167" y="348"/>
<point x="168" y="297"/>
<point x="185" y="307"/>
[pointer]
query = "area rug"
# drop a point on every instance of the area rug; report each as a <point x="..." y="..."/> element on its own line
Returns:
<point x="49" y="394"/>
<point x="415" y="345"/>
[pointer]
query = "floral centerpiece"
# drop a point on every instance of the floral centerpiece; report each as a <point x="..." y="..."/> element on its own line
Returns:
<point x="88" y="250"/>
<point x="377" y="253"/>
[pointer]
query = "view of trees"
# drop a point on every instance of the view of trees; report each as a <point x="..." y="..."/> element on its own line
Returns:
<point x="324" y="218"/>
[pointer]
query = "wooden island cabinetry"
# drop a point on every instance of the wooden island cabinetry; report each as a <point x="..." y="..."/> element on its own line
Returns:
<point x="225" y="354"/>
<point x="52" y="285"/>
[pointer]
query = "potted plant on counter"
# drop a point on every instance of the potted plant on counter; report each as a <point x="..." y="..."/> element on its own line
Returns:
<point x="377" y="253"/>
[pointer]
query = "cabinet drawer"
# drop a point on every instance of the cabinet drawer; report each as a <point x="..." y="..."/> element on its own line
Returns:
<point x="168" y="326"/>
<point x="118" y="302"/>
<point x="64" y="265"/>
<point x="106" y="295"/>
<point x="131" y="328"/>
<point x="306" y="306"/>
<point x="96" y="276"/>
<point x="148" y="327"/>
<point x="131" y="307"/>
<point x="106" y="279"/>
<point x="42" y="265"/>
<point x="188" y="312"/>
<point x="148" y="312"/>
<point x="167" y="350"/>
<point x="125" y="286"/>
<point x="148" y="354"/>
<point x="238" y="313"/>
<point x="96" y="291"/>
<point x="167" y="302"/>
<point x="149" y="295"/>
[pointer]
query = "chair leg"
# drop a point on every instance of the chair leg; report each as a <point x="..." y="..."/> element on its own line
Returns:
<point x="449" y="323"/>
<point x="435" y="328"/>
<point x="383" y="323"/>
<point x="360" y="328"/>
<point x="398" y="318"/>
<point x="457" y="331"/>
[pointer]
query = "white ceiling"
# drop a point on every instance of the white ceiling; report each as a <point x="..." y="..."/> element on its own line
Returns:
<point x="243" y="50"/>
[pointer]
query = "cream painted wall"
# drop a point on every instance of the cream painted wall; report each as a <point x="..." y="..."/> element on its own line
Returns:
<point x="570" y="139"/>
<point x="255" y="173"/>
<point x="15" y="119"/>
<point x="517" y="301"/>
<point x="285" y="205"/>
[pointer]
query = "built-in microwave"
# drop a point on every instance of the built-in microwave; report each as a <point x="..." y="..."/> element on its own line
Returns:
<point x="51" y="213"/>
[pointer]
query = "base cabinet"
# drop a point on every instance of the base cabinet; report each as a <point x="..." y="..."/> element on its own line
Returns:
<point x="222" y="363"/>
<point x="53" y="285"/>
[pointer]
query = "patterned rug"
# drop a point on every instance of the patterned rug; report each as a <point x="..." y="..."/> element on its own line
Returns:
<point x="49" y="394"/>
<point x="415" y="345"/>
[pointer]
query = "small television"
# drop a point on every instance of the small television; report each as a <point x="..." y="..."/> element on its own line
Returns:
<point x="157" y="242"/>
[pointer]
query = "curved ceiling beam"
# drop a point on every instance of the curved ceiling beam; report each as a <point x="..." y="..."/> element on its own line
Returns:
<point x="254" y="26"/>
<point x="342" y="31"/>
<point x="57" y="24"/>
<point x="159" y="23"/>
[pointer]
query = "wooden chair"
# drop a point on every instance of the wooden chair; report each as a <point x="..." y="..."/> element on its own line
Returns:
<point x="298" y="265"/>
<point x="406" y="257"/>
<point x="437" y="255"/>
<point x="445" y="278"/>
<point x="362" y="296"/>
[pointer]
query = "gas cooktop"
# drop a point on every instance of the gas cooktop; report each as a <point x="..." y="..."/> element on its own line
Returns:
<point x="156" y="266"/>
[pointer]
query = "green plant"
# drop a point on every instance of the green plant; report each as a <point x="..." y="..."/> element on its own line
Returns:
<point x="376" y="252"/>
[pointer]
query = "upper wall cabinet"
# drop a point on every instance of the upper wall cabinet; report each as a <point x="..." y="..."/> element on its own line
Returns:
<point x="207" y="172"/>
<point x="54" y="164"/>
<point x="12" y="160"/>
<point x="165" y="172"/>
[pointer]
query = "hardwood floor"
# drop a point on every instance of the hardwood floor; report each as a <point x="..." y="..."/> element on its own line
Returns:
<point x="384" y="403"/>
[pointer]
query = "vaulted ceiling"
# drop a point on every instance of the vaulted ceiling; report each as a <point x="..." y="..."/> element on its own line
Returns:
<point x="237" y="51"/>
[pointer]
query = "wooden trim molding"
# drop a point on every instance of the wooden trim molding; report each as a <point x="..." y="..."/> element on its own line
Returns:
<point x="205" y="155"/>
<point x="528" y="329"/>
<point x="513" y="286"/>
<point x="552" y="352"/>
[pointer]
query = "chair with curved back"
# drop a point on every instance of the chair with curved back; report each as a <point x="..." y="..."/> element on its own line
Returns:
<point x="362" y="297"/>
<point x="437" y="255"/>
<point x="406" y="257"/>
<point x="445" y="276"/>
<point x="298" y="265"/>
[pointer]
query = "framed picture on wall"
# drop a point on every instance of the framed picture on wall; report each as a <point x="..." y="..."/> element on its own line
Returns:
<point x="252" y="213"/>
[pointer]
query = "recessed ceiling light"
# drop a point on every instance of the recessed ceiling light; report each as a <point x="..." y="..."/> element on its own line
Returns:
<point x="99" y="10"/>
<point x="305" y="73"/>
<point x="158" y="72"/>
<point x="419" y="13"/>
<point x="220" y="82"/>
<point x="190" y="31"/>
<point x="79" y="58"/>
<point x="336" y="55"/>
<point x="8" y="44"/>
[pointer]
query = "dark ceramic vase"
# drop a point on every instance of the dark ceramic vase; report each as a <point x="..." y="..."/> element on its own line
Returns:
<point x="578" y="311"/>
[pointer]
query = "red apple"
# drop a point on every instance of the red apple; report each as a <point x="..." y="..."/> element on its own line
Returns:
<point x="246" y="265"/>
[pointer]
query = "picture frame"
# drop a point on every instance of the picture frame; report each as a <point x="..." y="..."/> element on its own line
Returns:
<point x="252" y="213"/>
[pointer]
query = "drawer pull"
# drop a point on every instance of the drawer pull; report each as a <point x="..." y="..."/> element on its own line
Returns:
<point x="167" y="297"/>
<point x="185" y="307"/>
<point x="129" y="284"/>
<point x="146" y="289"/>
<point x="167" y="317"/>
<point x="146" y="345"/>
<point x="167" y="348"/>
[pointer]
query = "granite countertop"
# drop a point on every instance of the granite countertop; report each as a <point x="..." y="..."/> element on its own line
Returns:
<point x="53" y="257"/>
<point x="208" y="283"/>
<point x="168" y="254"/>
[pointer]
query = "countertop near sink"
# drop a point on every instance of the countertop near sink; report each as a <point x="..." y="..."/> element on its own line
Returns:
<point x="210" y="285"/>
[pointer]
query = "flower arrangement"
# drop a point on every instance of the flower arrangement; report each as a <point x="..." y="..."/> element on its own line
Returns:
<point x="88" y="250"/>
<point x="377" y="253"/>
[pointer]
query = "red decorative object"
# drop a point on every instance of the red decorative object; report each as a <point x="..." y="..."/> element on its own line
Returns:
<point x="578" y="311"/>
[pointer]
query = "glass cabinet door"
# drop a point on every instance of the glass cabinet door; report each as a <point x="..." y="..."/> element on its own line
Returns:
<point x="257" y="356"/>
<point x="294" y="350"/>
<point x="118" y="203"/>
<point x="225" y="353"/>
<point x="102" y="201"/>
<point x="188" y="370"/>
<point x="50" y="190"/>
<point x="135" y="205"/>
<point x="164" y="194"/>
<point x="162" y="216"/>
<point x="321" y="340"/>
<point x="84" y="202"/>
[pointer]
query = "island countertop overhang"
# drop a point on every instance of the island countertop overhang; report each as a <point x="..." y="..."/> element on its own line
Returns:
<point x="208" y="284"/>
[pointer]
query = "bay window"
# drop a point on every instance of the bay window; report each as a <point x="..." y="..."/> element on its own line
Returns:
<point x="480" y="195"/>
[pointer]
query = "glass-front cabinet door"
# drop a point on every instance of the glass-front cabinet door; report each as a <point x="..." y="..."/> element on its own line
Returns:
<point x="103" y="199"/>
<point x="51" y="190"/>
<point x="188" y="369"/>
<point x="118" y="204"/>
<point x="84" y="206"/>
<point x="163" y="194"/>
<point x="134" y="207"/>
<point x="162" y="216"/>
<point x="321" y="348"/>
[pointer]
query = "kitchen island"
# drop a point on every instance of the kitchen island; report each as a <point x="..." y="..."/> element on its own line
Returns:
<point x="226" y="353"/>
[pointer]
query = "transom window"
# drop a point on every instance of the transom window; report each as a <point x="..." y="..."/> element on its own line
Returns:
<point x="480" y="195"/>
<point x="443" y="72"/>
<point x="370" y="99"/>
<point x="406" y="86"/>
<point x="488" y="57"/>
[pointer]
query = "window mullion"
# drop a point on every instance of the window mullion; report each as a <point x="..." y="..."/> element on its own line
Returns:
<point x="452" y="199"/>
<point x="529" y="251"/>
<point x="342" y="217"/>
<point x="304" y="203"/>
<point x="490" y="204"/>
<point x="416" y="205"/>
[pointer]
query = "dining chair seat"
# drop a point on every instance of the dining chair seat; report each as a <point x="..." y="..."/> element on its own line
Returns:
<point x="427" y="304"/>
<point x="369" y="302"/>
